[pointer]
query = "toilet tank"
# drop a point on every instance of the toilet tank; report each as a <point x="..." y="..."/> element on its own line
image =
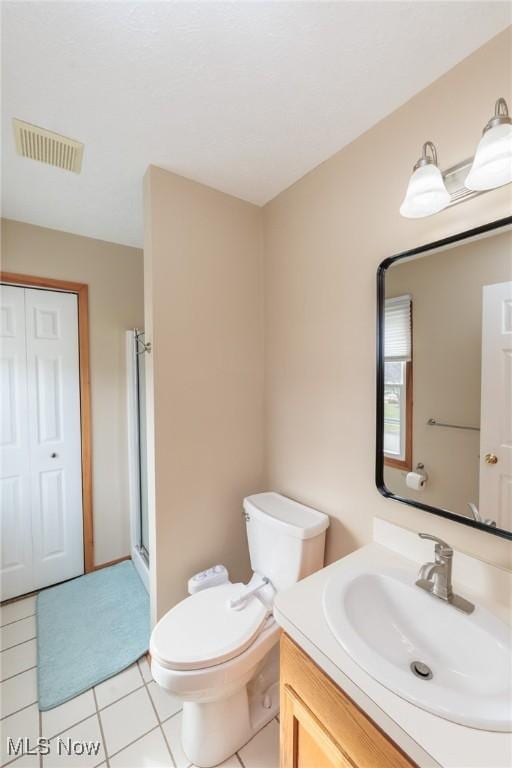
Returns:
<point x="286" y="539"/>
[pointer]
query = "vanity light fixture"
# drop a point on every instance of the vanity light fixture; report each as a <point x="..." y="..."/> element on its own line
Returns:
<point x="426" y="192"/>
<point x="430" y="189"/>
<point x="492" y="165"/>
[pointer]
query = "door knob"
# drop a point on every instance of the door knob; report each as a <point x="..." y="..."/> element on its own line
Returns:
<point x="53" y="455"/>
<point x="491" y="458"/>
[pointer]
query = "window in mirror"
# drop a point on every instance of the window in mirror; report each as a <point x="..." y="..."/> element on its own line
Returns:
<point x="398" y="382"/>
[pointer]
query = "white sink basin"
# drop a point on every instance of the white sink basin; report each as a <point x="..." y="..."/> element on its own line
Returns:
<point x="386" y="623"/>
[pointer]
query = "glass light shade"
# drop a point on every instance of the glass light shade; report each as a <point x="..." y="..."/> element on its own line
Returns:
<point x="492" y="165"/>
<point x="426" y="193"/>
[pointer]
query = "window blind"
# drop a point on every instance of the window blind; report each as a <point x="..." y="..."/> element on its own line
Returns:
<point x="397" y="328"/>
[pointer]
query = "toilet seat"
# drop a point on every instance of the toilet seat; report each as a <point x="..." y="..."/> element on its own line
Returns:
<point x="203" y="630"/>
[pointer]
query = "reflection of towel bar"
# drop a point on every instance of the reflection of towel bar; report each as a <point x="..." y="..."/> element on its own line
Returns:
<point x="434" y="423"/>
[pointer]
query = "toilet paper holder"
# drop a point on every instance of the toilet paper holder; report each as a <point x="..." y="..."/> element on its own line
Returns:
<point x="420" y="467"/>
<point x="418" y="478"/>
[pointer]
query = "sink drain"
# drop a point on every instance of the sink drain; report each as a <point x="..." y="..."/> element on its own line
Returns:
<point x="421" y="670"/>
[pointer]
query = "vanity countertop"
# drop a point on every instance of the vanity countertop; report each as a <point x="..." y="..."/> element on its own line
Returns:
<point x="428" y="739"/>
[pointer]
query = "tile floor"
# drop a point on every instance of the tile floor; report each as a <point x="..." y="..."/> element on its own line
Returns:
<point x="135" y="721"/>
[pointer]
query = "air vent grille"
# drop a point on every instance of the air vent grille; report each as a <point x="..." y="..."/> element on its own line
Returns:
<point x="48" y="147"/>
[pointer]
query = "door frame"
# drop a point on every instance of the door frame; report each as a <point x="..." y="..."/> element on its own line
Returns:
<point x="81" y="290"/>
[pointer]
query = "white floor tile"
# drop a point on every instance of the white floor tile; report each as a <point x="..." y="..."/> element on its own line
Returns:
<point x="61" y="718"/>
<point x="27" y="761"/>
<point x="145" y="669"/>
<point x="263" y="749"/>
<point x="127" y="719"/>
<point x="149" y="752"/>
<point x="231" y="762"/>
<point x="165" y="703"/>
<point x="18" y="659"/>
<point x="22" y="724"/>
<point x="172" y="730"/>
<point x="119" y="685"/>
<point x="87" y="731"/>
<point x="18" y="610"/>
<point x="19" y="632"/>
<point x="18" y="692"/>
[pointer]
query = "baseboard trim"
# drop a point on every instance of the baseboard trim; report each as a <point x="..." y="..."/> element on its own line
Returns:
<point x="112" y="562"/>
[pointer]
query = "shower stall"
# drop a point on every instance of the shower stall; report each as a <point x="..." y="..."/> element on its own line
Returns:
<point x="136" y="350"/>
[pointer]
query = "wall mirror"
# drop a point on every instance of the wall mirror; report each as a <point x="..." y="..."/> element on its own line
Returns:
<point x="444" y="378"/>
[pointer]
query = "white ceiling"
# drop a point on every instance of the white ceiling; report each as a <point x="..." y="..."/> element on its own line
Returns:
<point x="246" y="97"/>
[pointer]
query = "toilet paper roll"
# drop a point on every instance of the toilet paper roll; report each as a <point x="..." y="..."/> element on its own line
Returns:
<point x="416" y="480"/>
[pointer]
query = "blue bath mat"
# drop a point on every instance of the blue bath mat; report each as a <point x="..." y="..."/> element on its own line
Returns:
<point x="89" y="629"/>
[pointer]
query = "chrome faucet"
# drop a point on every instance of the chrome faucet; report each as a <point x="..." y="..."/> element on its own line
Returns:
<point x="436" y="577"/>
<point x="475" y="513"/>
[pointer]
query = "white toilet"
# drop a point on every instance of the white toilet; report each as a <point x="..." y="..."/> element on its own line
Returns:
<point x="217" y="649"/>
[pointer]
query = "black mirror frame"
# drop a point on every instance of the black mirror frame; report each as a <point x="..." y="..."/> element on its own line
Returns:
<point x="379" y="457"/>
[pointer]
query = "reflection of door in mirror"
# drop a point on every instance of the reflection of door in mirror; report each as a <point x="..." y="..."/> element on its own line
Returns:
<point x="496" y="409"/>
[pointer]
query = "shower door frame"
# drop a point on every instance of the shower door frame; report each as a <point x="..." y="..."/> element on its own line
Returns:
<point x="139" y="556"/>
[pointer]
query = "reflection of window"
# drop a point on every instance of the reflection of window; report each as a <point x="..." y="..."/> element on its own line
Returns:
<point x="398" y="382"/>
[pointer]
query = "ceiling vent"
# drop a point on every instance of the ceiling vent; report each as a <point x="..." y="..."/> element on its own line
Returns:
<point x="48" y="147"/>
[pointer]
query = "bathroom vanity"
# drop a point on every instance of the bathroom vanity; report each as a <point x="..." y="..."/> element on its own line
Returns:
<point x="339" y="710"/>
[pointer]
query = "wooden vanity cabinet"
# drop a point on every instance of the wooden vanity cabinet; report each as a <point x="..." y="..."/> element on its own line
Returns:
<point x="321" y="727"/>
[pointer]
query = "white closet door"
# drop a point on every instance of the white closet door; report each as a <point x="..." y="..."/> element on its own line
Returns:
<point x="16" y="572"/>
<point x="54" y="435"/>
<point x="496" y="408"/>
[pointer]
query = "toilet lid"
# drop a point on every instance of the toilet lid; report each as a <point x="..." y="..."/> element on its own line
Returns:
<point x="203" y="630"/>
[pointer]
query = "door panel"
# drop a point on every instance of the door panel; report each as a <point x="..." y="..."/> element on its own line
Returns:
<point x="16" y="572"/>
<point x="13" y="534"/>
<point x="49" y="398"/>
<point x="496" y="415"/>
<point x="8" y="426"/>
<point x="52" y="513"/>
<point x="54" y="434"/>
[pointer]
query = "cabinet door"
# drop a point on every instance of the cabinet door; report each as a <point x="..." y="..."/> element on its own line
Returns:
<point x="305" y="743"/>
<point x="321" y="727"/>
<point x="16" y="575"/>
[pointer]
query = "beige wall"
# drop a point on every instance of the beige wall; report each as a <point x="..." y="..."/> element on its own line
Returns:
<point x="446" y="290"/>
<point x="204" y="316"/>
<point x="324" y="238"/>
<point x="114" y="274"/>
<point x="209" y="309"/>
